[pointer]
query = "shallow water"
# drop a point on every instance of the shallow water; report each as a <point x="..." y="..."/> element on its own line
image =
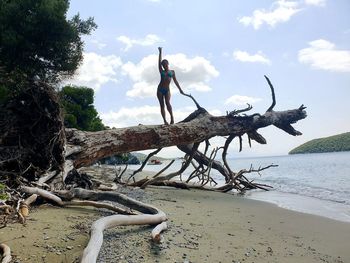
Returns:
<point x="310" y="183"/>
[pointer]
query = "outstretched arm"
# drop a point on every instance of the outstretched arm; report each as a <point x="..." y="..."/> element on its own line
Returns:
<point x="160" y="59"/>
<point x="177" y="83"/>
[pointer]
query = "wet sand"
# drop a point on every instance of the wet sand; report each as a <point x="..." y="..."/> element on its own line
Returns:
<point x="203" y="227"/>
<point x="224" y="228"/>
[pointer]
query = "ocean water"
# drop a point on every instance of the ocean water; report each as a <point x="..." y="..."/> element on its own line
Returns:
<point x="311" y="183"/>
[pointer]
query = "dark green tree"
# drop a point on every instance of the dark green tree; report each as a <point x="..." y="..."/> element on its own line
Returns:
<point x="39" y="47"/>
<point x="78" y="108"/>
<point x="37" y="41"/>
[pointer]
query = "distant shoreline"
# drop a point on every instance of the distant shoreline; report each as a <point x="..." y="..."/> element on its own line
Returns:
<point x="335" y="143"/>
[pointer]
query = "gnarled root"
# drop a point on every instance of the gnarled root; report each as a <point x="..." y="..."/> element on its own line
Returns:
<point x="96" y="239"/>
<point x="23" y="207"/>
<point x="154" y="216"/>
<point x="7" y="209"/>
<point x="99" y="205"/>
<point x="151" y="216"/>
<point x="6" y="253"/>
<point x="43" y="193"/>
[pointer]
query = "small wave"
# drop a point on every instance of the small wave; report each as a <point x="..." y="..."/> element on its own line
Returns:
<point x="285" y="186"/>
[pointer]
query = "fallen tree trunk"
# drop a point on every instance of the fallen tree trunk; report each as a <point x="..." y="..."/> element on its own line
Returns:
<point x="85" y="148"/>
<point x="203" y="126"/>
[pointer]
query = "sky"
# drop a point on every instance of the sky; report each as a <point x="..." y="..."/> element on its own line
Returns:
<point x="220" y="51"/>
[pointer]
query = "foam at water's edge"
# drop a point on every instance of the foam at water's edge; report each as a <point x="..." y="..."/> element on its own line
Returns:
<point x="305" y="204"/>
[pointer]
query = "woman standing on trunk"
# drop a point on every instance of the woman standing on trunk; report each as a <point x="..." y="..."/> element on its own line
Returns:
<point x="163" y="91"/>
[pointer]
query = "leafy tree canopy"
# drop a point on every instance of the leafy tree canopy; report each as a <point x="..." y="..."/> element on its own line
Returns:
<point x="79" y="111"/>
<point x="38" y="42"/>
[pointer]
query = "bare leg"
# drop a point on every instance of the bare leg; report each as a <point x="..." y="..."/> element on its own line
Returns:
<point x="160" y="97"/>
<point x="169" y="108"/>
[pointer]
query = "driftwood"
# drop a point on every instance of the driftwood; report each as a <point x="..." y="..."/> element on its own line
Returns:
<point x="151" y="216"/>
<point x="144" y="163"/>
<point x="157" y="230"/>
<point x="6" y="253"/>
<point x="7" y="208"/>
<point x="99" y="205"/>
<point x="43" y="193"/>
<point x="91" y="251"/>
<point x="23" y="207"/>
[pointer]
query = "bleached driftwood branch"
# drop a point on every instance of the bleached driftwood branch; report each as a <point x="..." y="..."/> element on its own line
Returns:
<point x="6" y="253"/>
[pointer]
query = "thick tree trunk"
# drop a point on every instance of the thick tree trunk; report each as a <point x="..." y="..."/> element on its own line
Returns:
<point x="199" y="126"/>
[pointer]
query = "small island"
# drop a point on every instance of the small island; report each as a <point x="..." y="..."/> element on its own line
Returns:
<point x="335" y="143"/>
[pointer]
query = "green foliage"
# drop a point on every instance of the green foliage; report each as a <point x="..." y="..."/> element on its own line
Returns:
<point x="38" y="42"/>
<point x="336" y="143"/>
<point x="3" y="195"/>
<point x="79" y="111"/>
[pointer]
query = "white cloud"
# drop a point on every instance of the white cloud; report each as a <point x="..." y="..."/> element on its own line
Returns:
<point x="243" y="56"/>
<point x="281" y="11"/>
<point x="146" y="115"/>
<point x="241" y="100"/>
<point x="98" y="44"/>
<point x="132" y="116"/>
<point x="316" y="2"/>
<point x="148" y="40"/>
<point x="323" y="54"/>
<point x="192" y="74"/>
<point x="96" y="70"/>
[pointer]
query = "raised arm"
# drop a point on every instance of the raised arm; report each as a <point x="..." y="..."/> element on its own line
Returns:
<point x="160" y="60"/>
<point x="177" y="83"/>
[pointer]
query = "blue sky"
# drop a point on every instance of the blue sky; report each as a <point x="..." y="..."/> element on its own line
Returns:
<point x="220" y="51"/>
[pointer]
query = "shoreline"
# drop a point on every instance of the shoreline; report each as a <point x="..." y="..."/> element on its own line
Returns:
<point x="304" y="204"/>
<point x="290" y="201"/>
<point x="242" y="229"/>
<point x="202" y="227"/>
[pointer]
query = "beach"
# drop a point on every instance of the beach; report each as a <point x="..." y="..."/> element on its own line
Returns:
<point x="202" y="227"/>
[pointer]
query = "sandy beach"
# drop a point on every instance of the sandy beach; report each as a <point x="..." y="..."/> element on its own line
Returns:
<point x="203" y="227"/>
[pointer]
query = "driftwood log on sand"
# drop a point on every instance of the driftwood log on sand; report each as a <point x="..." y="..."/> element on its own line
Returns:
<point x="150" y="214"/>
<point x="6" y="253"/>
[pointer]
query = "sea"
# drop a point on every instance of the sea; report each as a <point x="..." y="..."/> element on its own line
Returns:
<point x="317" y="184"/>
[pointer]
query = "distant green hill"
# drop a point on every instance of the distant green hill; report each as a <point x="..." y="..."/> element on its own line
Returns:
<point x="336" y="143"/>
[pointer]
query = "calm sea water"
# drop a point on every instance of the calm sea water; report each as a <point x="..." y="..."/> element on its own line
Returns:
<point x="311" y="183"/>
